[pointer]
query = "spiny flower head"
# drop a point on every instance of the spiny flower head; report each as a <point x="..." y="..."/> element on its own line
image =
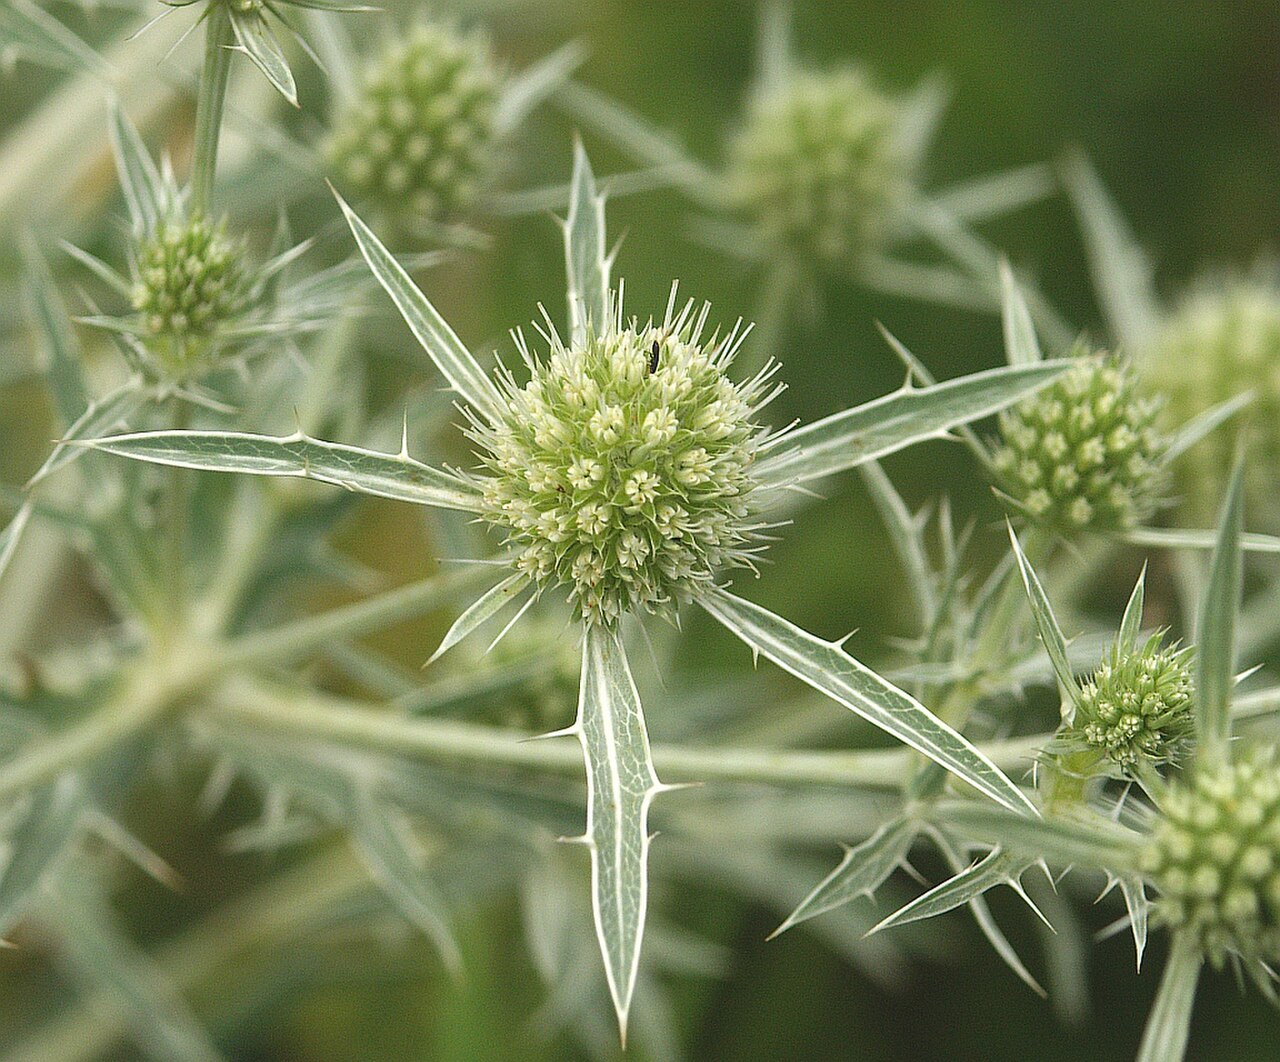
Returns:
<point x="819" y="165"/>
<point x="1224" y="340"/>
<point x="622" y="469"/>
<point x="1136" y="708"/>
<point x="190" y="281"/>
<point x="419" y="136"/>
<point x="1214" y="856"/>
<point x="1083" y="453"/>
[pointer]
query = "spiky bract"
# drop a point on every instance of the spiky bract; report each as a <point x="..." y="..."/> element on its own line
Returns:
<point x="418" y="138"/>
<point x="625" y="474"/>
<point x="819" y="165"/>
<point x="1084" y="453"/>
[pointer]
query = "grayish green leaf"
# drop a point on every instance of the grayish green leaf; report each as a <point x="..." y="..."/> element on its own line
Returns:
<point x="396" y="476"/>
<point x="996" y="194"/>
<point x="1199" y="426"/>
<point x="586" y="257"/>
<point x="140" y="181"/>
<point x="485" y="607"/>
<point x="1169" y="1024"/>
<point x="1020" y="344"/>
<point x="1194" y="538"/>
<point x="37" y="844"/>
<point x="1139" y="907"/>
<point x="1131" y="624"/>
<point x="1046" y="623"/>
<point x="885" y="425"/>
<point x="29" y="32"/>
<point x="831" y="671"/>
<point x="905" y="537"/>
<point x="862" y="871"/>
<point x="621" y="784"/>
<point x="996" y="868"/>
<point x="1088" y="840"/>
<point x="107" y="412"/>
<point x="255" y="39"/>
<point x="1216" y="631"/>
<point x="66" y="380"/>
<point x="525" y="90"/>
<point x="430" y="329"/>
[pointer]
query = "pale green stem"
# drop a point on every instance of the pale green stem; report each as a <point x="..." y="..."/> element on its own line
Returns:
<point x="304" y="636"/>
<point x="449" y="740"/>
<point x="218" y="38"/>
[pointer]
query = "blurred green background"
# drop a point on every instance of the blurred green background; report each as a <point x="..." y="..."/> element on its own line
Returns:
<point x="1178" y="104"/>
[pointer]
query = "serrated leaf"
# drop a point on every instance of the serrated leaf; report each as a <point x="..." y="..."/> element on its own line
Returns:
<point x="1216" y="631"/>
<point x="255" y="39"/>
<point x="586" y="257"/>
<point x="1139" y="907"/>
<point x="621" y="784"/>
<point x="1051" y="638"/>
<point x="996" y="868"/>
<point x="1169" y="1024"/>
<point x="486" y="606"/>
<point x="396" y="476"/>
<point x="1020" y="344"/>
<point x="140" y="181"/>
<point x="66" y="380"/>
<point x="905" y="537"/>
<point x="37" y="844"/>
<point x="862" y="871"/>
<point x="1131" y="624"/>
<point x="105" y="413"/>
<point x="1121" y="271"/>
<point x="103" y="956"/>
<point x="383" y="839"/>
<point x="430" y="329"/>
<point x="898" y="420"/>
<point x="833" y="672"/>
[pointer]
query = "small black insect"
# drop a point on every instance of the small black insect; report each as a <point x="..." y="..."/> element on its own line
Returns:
<point x="654" y="351"/>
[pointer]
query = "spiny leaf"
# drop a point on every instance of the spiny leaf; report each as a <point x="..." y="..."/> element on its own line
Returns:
<point x="430" y="329"/>
<point x="1216" y="630"/>
<point x="621" y="784"/>
<point x="1135" y="900"/>
<point x="107" y="412"/>
<point x="996" y="868"/>
<point x="1193" y="538"/>
<point x="140" y="181"/>
<point x="383" y="839"/>
<point x="524" y="91"/>
<point x="66" y="381"/>
<point x="905" y="537"/>
<point x="37" y="844"/>
<point x="255" y="39"/>
<point x="1201" y="425"/>
<point x="898" y="420"/>
<point x="1020" y="344"/>
<point x="486" y="606"/>
<point x="860" y="873"/>
<point x="831" y="671"/>
<point x="1046" y="623"/>
<point x="395" y="476"/>
<point x="1169" y="1024"/>
<point x="1131" y="624"/>
<point x="29" y="32"/>
<point x="1089" y="840"/>
<point x="585" y="256"/>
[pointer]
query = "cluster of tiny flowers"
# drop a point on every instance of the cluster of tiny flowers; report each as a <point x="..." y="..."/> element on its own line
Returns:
<point x="190" y="281"/>
<point x="418" y="138"/>
<point x="1136" y="708"/>
<point x="1222" y="342"/>
<point x="1084" y="452"/>
<point x="1215" y="858"/>
<point x="819" y="165"/>
<point x="622" y="469"/>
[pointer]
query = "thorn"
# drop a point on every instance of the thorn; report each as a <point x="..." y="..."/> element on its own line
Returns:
<point x="404" y="436"/>
<point x="583" y="840"/>
<point x="569" y="731"/>
<point x="839" y="644"/>
<point x="675" y="787"/>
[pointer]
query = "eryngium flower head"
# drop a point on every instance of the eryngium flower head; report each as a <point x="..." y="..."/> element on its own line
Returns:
<point x="1136" y="708"/>
<point x="1083" y="453"/>
<point x="190" y="282"/>
<point x="418" y="137"/>
<point x="621" y="470"/>
<point x="820" y="167"/>
<point x="1223" y="341"/>
<point x="1214" y="856"/>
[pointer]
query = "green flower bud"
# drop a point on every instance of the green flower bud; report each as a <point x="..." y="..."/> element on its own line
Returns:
<point x="1136" y="708"/>
<point x="820" y="167"/>
<point x="621" y="470"/>
<point x="1222" y="342"/>
<point x="1084" y="452"/>
<point x="418" y="138"/>
<point x="190" y="282"/>
<point x="1214" y="857"/>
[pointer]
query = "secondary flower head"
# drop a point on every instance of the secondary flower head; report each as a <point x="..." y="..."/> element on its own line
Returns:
<point x="1215" y="858"/>
<point x="418" y="137"/>
<point x="820" y="166"/>
<point x="1136" y="708"/>
<point x="622" y="469"/>
<point x="1083" y="453"/>
<point x="1224" y="340"/>
<point x="190" y="281"/>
